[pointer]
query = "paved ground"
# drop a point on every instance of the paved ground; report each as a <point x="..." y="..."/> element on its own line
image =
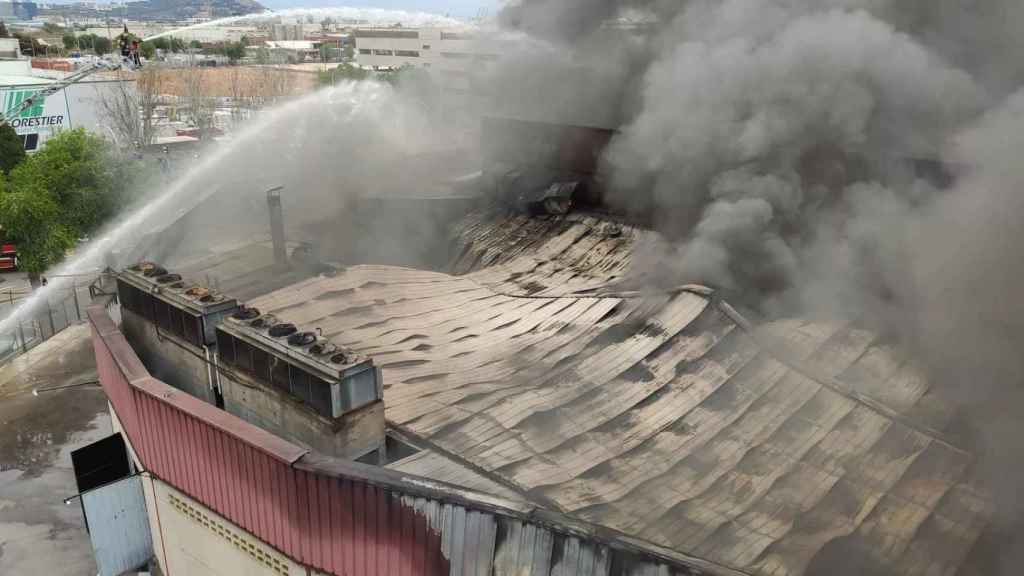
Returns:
<point x="39" y="535"/>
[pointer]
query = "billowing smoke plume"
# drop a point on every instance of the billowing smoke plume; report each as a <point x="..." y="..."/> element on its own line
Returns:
<point x="787" y="149"/>
<point x="849" y="158"/>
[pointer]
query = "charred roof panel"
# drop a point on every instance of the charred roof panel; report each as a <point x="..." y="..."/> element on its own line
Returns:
<point x="663" y="416"/>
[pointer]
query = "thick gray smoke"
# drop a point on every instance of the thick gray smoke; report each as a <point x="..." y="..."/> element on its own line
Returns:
<point x="777" y="144"/>
<point x="329" y="150"/>
<point x="798" y="155"/>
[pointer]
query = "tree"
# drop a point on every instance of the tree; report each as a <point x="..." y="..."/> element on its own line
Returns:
<point x="262" y="55"/>
<point x="12" y="150"/>
<point x="67" y="189"/>
<point x="76" y="169"/>
<point x="177" y="44"/>
<point x="148" y="88"/>
<point x="161" y="43"/>
<point x="120" y="108"/>
<point x="201" y="107"/>
<point x="329" y="53"/>
<point x="30" y="217"/>
<point x="70" y="41"/>
<point x="195" y="44"/>
<point x="234" y="51"/>
<point x="101" y="45"/>
<point x="342" y="73"/>
<point x="51" y="28"/>
<point x="148" y="50"/>
<point x="395" y="75"/>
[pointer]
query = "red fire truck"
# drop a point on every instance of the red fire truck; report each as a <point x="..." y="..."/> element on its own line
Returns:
<point x="8" y="256"/>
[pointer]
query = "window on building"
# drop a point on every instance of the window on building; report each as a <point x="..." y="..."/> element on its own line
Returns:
<point x="407" y="53"/>
<point x="382" y="53"/>
<point x="30" y="141"/>
<point x="387" y="34"/>
<point x="455" y="36"/>
<point x="365" y="51"/>
<point x="426" y="46"/>
<point x="487" y="57"/>
<point x="456" y="55"/>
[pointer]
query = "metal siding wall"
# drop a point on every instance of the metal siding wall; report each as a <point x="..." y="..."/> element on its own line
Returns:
<point x="118" y="526"/>
<point x="337" y="525"/>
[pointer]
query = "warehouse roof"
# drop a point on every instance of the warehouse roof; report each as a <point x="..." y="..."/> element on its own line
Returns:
<point x="665" y="416"/>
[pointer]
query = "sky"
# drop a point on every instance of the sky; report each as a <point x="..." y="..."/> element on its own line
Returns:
<point x="456" y="8"/>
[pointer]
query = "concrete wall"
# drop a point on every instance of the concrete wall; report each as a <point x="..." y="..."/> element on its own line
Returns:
<point x="189" y="539"/>
<point x="182" y="365"/>
<point x="167" y="357"/>
<point x="351" y="436"/>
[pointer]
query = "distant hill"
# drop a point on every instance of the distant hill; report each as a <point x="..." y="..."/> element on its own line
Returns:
<point x="162" y="10"/>
<point x="184" y="9"/>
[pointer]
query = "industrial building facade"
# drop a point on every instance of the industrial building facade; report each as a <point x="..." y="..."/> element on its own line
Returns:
<point x="287" y="510"/>
<point x="436" y="48"/>
<point x="521" y="410"/>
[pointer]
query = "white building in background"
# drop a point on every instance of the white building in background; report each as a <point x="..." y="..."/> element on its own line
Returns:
<point x="287" y="32"/>
<point x="437" y="48"/>
<point x="77" y="106"/>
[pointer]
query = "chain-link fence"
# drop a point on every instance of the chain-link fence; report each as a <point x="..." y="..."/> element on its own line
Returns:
<point x="62" y="308"/>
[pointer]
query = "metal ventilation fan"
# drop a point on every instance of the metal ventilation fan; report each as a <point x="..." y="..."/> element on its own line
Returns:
<point x="265" y="321"/>
<point x="283" y="329"/>
<point x="323" y="347"/>
<point x="342" y="358"/>
<point x="301" y="339"/>
<point x="245" y="313"/>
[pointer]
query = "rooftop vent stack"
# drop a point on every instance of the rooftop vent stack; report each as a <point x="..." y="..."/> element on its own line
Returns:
<point x="277" y="227"/>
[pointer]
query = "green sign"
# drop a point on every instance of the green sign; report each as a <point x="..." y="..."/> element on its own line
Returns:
<point x="33" y="119"/>
<point x="16" y="97"/>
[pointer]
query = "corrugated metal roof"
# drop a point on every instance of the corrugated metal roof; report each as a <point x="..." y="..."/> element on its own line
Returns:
<point x="431" y="464"/>
<point x="343" y="517"/>
<point x="661" y="416"/>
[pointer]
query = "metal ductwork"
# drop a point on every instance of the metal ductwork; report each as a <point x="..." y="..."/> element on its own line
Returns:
<point x="277" y="227"/>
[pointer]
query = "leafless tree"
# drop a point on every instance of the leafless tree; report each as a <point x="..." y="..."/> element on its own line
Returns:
<point x="149" y="86"/>
<point x="120" y="105"/>
<point x="239" y="86"/>
<point x="201" y="107"/>
<point x="129" y="106"/>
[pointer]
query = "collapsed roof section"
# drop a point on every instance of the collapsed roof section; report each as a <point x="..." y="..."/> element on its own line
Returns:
<point x="665" y="416"/>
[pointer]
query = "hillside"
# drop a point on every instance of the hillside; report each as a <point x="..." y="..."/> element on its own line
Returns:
<point x="163" y="10"/>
